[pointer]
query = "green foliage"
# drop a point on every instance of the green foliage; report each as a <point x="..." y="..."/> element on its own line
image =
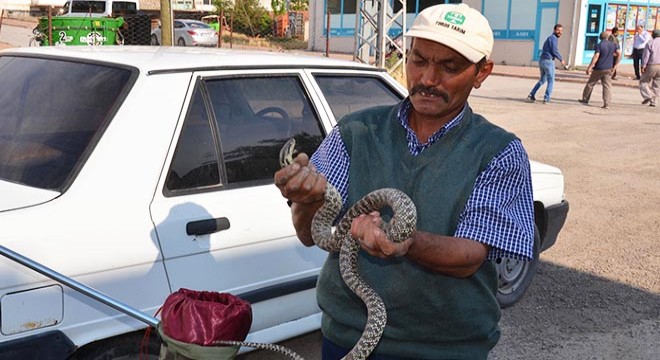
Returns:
<point x="251" y="19"/>
<point x="279" y="6"/>
<point x="223" y="5"/>
<point x="299" y="5"/>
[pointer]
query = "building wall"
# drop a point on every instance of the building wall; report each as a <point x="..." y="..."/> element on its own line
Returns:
<point x="519" y="24"/>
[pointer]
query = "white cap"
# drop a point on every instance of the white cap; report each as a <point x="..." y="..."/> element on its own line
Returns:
<point x="457" y="26"/>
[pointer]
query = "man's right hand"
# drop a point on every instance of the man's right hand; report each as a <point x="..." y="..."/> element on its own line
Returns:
<point x="300" y="182"/>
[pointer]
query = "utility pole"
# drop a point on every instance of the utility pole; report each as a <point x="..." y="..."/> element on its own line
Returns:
<point x="166" y="31"/>
<point x="373" y="22"/>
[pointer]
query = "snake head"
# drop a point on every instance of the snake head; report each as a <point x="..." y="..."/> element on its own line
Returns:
<point x="287" y="152"/>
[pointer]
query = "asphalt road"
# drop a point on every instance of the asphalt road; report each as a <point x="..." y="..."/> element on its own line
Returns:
<point x="596" y="294"/>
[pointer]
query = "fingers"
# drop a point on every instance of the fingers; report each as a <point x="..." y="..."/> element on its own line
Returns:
<point x="366" y="229"/>
<point x="300" y="182"/>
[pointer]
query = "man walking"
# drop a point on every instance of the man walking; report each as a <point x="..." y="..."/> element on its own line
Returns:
<point x="547" y="65"/>
<point x="639" y="43"/>
<point x="651" y="71"/>
<point x="604" y="65"/>
<point x="614" y="38"/>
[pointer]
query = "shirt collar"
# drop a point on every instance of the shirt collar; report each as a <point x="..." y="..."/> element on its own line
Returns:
<point x="414" y="144"/>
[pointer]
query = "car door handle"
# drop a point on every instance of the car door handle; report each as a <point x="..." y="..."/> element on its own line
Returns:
<point x="207" y="226"/>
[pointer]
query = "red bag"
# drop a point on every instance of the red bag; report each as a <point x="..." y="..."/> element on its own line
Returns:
<point x="204" y="317"/>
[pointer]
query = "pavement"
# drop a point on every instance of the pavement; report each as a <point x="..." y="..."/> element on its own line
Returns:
<point x="625" y="77"/>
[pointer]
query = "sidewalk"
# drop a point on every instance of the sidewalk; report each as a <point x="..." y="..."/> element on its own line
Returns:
<point x="625" y="74"/>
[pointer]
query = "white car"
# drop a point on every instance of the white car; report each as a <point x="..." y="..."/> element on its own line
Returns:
<point x="188" y="33"/>
<point x="142" y="170"/>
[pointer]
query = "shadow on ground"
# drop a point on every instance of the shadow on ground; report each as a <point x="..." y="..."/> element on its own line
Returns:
<point x="567" y="314"/>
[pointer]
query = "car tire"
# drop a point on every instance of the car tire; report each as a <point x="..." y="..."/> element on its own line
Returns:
<point x="181" y="42"/>
<point x="154" y="40"/>
<point x="122" y="347"/>
<point x="515" y="276"/>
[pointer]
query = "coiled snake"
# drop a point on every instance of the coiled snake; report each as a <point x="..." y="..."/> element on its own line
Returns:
<point x="400" y="228"/>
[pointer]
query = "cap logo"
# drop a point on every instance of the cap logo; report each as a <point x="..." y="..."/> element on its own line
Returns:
<point x="455" y="18"/>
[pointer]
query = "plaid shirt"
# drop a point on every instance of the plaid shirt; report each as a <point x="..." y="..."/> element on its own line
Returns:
<point x="499" y="212"/>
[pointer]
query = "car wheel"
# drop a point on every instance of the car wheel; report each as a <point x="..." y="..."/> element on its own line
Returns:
<point x="123" y="347"/>
<point x="515" y="276"/>
<point x="181" y="42"/>
<point x="154" y="40"/>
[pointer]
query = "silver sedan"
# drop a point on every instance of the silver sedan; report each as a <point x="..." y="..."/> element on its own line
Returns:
<point x="188" y="33"/>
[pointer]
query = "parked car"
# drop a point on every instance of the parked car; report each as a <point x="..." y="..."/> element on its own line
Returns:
<point x="142" y="170"/>
<point x="188" y="33"/>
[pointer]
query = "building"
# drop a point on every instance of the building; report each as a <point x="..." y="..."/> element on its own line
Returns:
<point x="519" y="26"/>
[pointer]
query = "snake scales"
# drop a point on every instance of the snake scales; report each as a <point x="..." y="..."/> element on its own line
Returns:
<point x="398" y="229"/>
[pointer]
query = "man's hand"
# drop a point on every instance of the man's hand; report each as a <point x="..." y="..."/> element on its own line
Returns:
<point x="300" y="182"/>
<point x="588" y="70"/>
<point x="366" y="229"/>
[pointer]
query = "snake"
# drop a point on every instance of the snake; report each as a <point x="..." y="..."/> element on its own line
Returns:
<point x="401" y="226"/>
<point x="398" y="229"/>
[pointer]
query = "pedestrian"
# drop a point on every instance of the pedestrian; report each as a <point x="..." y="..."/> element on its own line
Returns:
<point x="469" y="179"/>
<point x="639" y="43"/>
<point x="549" y="53"/>
<point x="651" y="71"/>
<point x="614" y="37"/>
<point x="603" y="64"/>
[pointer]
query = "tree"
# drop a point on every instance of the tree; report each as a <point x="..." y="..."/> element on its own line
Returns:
<point x="251" y="18"/>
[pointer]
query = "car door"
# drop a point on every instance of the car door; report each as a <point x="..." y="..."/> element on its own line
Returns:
<point x="221" y="222"/>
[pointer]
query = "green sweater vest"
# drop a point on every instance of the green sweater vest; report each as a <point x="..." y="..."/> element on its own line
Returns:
<point x="430" y="316"/>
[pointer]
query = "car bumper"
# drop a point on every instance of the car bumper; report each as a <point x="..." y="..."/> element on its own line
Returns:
<point x="205" y="41"/>
<point x="554" y="221"/>
<point x="45" y="346"/>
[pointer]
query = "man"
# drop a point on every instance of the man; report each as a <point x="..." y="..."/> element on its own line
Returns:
<point x="604" y="63"/>
<point x="639" y="43"/>
<point x="651" y="71"/>
<point x="614" y="38"/>
<point x="469" y="180"/>
<point x="547" y="65"/>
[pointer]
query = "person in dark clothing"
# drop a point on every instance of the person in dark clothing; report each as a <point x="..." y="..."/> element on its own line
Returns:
<point x="602" y="65"/>
<point x="547" y="65"/>
<point x="614" y="38"/>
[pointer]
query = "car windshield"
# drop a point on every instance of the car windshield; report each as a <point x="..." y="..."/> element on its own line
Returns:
<point x="197" y="25"/>
<point x="50" y="113"/>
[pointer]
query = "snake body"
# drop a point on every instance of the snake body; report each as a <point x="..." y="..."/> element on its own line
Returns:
<point x="400" y="228"/>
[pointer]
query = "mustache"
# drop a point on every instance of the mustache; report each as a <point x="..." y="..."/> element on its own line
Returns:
<point x="430" y="91"/>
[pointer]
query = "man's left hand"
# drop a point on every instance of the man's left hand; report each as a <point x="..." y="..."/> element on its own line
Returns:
<point x="366" y="229"/>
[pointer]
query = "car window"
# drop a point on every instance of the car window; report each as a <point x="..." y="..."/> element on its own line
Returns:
<point x="51" y="111"/>
<point x="195" y="162"/>
<point x="94" y="7"/>
<point x="346" y="94"/>
<point x="178" y="25"/>
<point x="124" y="7"/>
<point x="198" y="25"/>
<point x="254" y="117"/>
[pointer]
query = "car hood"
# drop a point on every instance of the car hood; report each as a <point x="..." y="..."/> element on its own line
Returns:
<point x="14" y="196"/>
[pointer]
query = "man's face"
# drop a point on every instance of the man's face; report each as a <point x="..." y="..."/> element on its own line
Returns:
<point x="440" y="79"/>
<point x="559" y="30"/>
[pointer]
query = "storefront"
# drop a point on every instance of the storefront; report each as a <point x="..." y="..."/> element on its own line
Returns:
<point x="625" y="15"/>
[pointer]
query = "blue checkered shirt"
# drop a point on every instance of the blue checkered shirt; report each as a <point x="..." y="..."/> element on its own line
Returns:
<point x="499" y="212"/>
